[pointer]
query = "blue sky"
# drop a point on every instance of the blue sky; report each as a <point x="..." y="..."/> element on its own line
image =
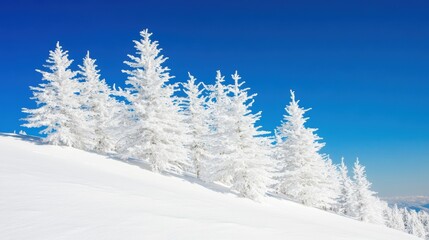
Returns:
<point x="363" y="66"/>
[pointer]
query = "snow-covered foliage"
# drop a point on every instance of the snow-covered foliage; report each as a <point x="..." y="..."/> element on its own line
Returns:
<point x="424" y="219"/>
<point x="396" y="220"/>
<point x="345" y="199"/>
<point x="367" y="206"/>
<point x="245" y="164"/>
<point x="59" y="112"/>
<point x="196" y="117"/>
<point x="221" y="126"/>
<point x="100" y="108"/>
<point x="333" y="179"/>
<point x="413" y="225"/>
<point x="157" y="133"/>
<point x="305" y="173"/>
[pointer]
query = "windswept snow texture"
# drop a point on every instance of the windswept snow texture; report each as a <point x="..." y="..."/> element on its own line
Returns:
<point x="52" y="192"/>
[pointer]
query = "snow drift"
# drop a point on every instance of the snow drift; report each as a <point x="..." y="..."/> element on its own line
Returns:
<point x="52" y="192"/>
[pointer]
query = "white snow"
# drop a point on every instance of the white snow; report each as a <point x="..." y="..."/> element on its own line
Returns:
<point x="51" y="192"/>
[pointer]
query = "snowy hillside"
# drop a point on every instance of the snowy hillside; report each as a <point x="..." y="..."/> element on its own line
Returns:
<point x="51" y="192"/>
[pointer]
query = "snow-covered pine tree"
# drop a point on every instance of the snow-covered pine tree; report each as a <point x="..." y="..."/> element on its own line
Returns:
<point x="424" y="219"/>
<point x="238" y="150"/>
<point x="385" y="211"/>
<point x="100" y="107"/>
<point x="345" y="199"/>
<point x="157" y="134"/>
<point x="367" y="206"/>
<point x="221" y="126"/>
<point x="405" y="217"/>
<point x="413" y="224"/>
<point x="396" y="220"/>
<point x="196" y="117"/>
<point x="250" y="163"/>
<point x="305" y="175"/>
<point x="59" y="113"/>
<point x="333" y="179"/>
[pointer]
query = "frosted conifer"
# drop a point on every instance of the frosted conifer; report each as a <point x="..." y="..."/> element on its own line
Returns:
<point x="99" y="106"/>
<point x="59" y="112"/>
<point x="345" y="199"/>
<point x="196" y="116"/>
<point x="367" y="206"/>
<point x="305" y="174"/>
<point x="157" y="133"/>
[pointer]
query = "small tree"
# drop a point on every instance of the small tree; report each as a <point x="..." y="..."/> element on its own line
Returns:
<point x="305" y="174"/>
<point x="59" y="112"/>
<point x="157" y="133"/>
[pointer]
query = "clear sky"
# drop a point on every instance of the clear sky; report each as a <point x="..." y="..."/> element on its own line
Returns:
<point x="363" y="66"/>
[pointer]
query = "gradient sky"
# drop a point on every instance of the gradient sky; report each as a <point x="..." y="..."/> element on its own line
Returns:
<point x="363" y="67"/>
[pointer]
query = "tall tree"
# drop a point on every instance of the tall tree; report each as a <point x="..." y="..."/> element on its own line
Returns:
<point x="304" y="172"/>
<point x="59" y="111"/>
<point x="197" y="120"/>
<point x="99" y="106"/>
<point x="157" y="133"/>
<point x="367" y="206"/>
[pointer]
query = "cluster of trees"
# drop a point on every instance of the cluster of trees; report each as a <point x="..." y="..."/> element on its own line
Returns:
<point x="358" y="201"/>
<point x="410" y="221"/>
<point x="207" y="130"/>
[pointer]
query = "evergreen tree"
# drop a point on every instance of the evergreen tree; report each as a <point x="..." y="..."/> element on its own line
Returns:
<point x="305" y="174"/>
<point x="99" y="106"/>
<point x="333" y="189"/>
<point x="197" y="119"/>
<point x="239" y="151"/>
<point x="345" y="200"/>
<point x="385" y="211"/>
<point x="396" y="220"/>
<point x="157" y="133"/>
<point x="59" y="111"/>
<point x="221" y="125"/>
<point x="424" y="219"/>
<point x="405" y="218"/>
<point x="413" y="224"/>
<point x="367" y="206"/>
<point x="250" y="161"/>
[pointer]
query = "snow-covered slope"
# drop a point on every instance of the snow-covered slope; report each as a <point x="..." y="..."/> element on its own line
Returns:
<point x="51" y="192"/>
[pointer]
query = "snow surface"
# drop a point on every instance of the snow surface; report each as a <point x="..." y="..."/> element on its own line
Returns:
<point x="53" y="192"/>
